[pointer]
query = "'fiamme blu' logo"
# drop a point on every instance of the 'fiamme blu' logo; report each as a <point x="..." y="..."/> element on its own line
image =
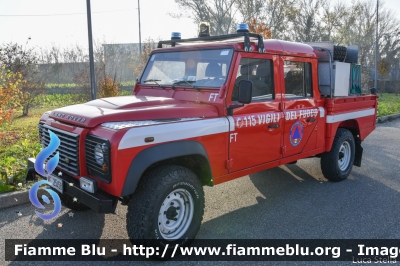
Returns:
<point x="50" y="166"/>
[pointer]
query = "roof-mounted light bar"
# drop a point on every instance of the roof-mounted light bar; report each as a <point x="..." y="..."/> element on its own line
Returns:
<point x="240" y="33"/>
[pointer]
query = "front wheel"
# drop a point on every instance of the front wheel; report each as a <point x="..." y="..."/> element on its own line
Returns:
<point x="336" y="164"/>
<point x="167" y="205"/>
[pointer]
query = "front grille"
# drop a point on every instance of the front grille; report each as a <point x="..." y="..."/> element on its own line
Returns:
<point x="94" y="168"/>
<point x="68" y="149"/>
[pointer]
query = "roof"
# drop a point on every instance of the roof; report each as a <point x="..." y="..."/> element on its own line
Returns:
<point x="289" y="48"/>
<point x="271" y="46"/>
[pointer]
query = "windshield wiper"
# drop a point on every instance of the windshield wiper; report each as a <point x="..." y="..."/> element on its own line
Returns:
<point x="186" y="82"/>
<point x="155" y="81"/>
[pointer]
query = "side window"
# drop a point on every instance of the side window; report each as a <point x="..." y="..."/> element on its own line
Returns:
<point x="297" y="79"/>
<point x="260" y="72"/>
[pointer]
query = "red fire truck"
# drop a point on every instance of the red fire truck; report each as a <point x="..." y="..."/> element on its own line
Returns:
<point x="205" y="111"/>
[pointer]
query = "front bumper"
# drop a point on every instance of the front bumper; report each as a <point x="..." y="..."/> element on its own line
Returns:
<point x="98" y="201"/>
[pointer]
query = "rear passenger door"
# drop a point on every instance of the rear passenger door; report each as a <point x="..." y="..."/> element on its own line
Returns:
<point x="299" y="106"/>
<point x="256" y="135"/>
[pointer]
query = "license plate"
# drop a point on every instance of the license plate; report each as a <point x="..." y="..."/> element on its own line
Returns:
<point x="56" y="183"/>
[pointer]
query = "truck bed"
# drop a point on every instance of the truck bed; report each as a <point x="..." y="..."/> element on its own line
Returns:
<point x="351" y="112"/>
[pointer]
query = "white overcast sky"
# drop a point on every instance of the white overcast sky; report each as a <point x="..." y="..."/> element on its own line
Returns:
<point x="114" y="21"/>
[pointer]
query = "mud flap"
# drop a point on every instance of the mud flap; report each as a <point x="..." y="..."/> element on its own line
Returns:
<point x="358" y="153"/>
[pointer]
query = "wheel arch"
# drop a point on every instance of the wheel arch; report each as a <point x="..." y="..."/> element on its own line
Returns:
<point x="351" y="125"/>
<point x="190" y="154"/>
<point x="334" y="167"/>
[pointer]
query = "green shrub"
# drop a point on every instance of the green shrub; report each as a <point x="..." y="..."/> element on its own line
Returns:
<point x="6" y="188"/>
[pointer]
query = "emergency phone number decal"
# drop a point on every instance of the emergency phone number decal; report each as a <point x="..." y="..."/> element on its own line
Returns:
<point x="268" y="118"/>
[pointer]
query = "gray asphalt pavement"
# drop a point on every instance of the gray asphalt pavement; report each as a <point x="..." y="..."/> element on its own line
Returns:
<point x="288" y="202"/>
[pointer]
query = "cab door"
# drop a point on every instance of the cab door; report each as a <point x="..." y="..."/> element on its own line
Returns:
<point x="256" y="128"/>
<point x="299" y="106"/>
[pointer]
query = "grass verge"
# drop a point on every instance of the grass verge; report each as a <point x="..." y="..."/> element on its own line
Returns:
<point x="388" y="104"/>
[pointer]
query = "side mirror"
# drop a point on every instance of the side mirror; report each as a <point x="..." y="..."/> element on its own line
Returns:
<point x="245" y="90"/>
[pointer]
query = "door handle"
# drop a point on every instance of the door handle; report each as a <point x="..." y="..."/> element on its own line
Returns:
<point x="310" y="120"/>
<point x="273" y="126"/>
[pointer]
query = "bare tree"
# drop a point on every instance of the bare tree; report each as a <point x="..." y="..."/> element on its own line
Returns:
<point x="252" y="9"/>
<point x="389" y="64"/>
<point x="389" y="44"/>
<point x="274" y="14"/>
<point x="358" y="28"/>
<point x="335" y="18"/>
<point x="305" y="20"/>
<point x="395" y="73"/>
<point x="220" y="13"/>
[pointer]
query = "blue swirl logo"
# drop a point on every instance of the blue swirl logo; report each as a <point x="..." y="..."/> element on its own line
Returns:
<point x="46" y="172"/>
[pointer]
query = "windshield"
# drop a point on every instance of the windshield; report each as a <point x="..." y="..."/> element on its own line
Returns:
<point x="206" y="68"/>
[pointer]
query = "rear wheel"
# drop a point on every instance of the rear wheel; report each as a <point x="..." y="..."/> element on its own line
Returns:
<point x="336" y="164"/>
<point x="167" y="206"/>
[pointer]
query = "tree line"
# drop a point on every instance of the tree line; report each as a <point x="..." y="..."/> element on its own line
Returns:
<point x="343" y="22"/>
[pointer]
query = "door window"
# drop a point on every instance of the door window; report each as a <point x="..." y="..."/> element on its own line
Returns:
<point x="260" y="73"/>
<point x="297" y="79"/>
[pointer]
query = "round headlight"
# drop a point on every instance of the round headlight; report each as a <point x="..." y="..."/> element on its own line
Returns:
<point x="99" y="151"/>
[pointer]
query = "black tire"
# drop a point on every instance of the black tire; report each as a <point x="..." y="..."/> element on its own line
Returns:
<point x="336" y="164"/>
<point x="164" y="194"/>
<point x="339" y="53"/>
<point x="68" y="202"/>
